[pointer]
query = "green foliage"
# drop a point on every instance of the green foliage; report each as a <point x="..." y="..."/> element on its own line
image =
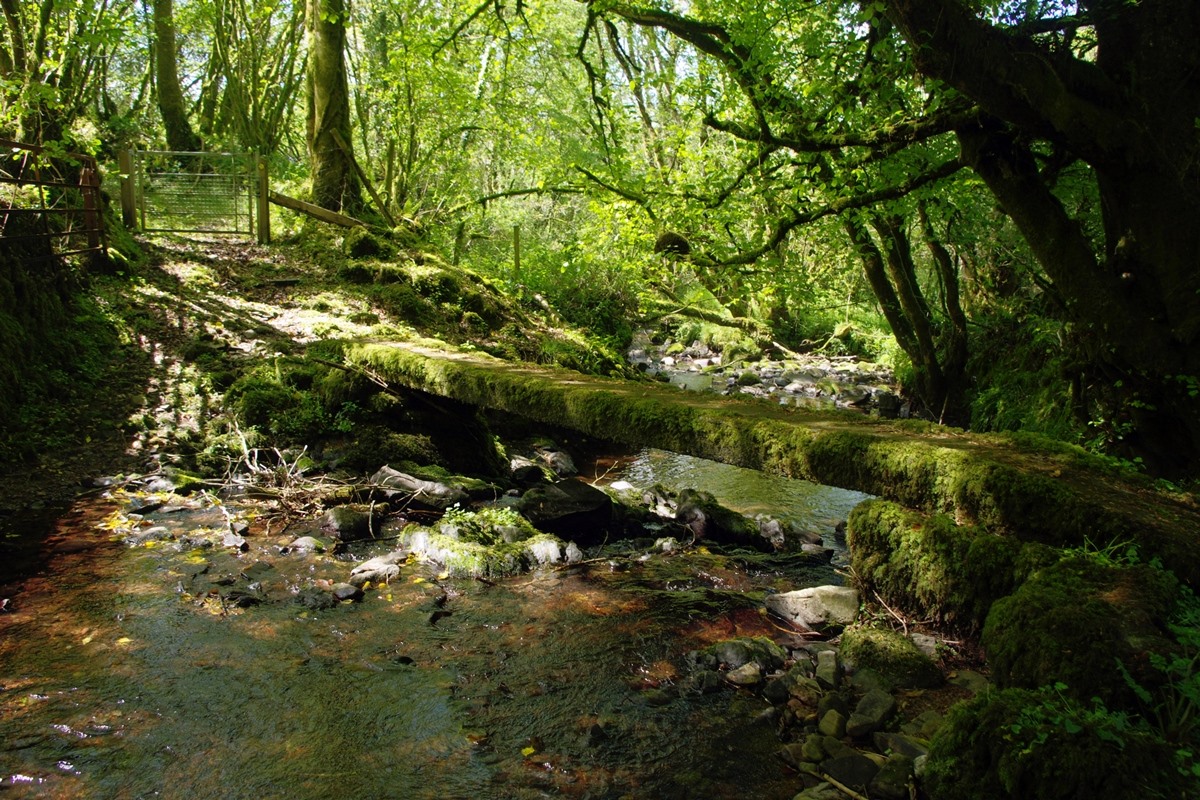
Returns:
<point x="1045" y="744"/>
<point x="1022" y="367"/>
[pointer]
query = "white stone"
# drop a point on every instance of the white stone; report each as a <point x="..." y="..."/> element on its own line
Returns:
<point x="816" y="606"/>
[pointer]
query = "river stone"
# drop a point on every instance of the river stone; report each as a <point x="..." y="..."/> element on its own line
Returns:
<point x="734" y="653"/>
<point x="891" y="782"/>
<point x="347" y="524"/>
<point x="899" y="744"/>
<point x="526" y="472"/>
<point x="571" y="509"/>
<point x="700" y="513"/>
<point x="818" y="606"/>
<point x="315" y="599"/>
<point x="380" y="569"/>
<point x="833" y="723"/>
<point x="827" y="673"/>
<point x="560" y="463"/>
<point x="306" y="544"/>
<point x="231" y="539"/>
<point x="855" y="771"/>
<point x="746" y="675"/>
<point x="347" y="591"/>
<point x="421" y="493"/>
<point x="802" y="688"/>
<point x="873" y="711"/>
<point x="822" y="791"/>
<point x="970" y="680"/>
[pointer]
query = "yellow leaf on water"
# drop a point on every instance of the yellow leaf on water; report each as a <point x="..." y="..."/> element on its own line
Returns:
<point x="124" y="640"/>
<point x="528" y="751"/>
<point x="418" y="580"/>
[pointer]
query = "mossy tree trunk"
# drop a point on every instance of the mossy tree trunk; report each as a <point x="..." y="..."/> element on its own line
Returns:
<point x="1127" y="110"/>
<point x="334" y="182"/>
<point x="891" y="272"/>
<point x="171" y="103"/>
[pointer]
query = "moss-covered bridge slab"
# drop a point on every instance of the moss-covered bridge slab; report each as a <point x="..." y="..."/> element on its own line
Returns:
<point x="1029" y="487"/>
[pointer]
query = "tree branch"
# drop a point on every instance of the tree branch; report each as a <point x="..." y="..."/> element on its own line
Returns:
<point x="487" y="198"/>
<point x="906" y="132"/>
<point x="1015" y="78"/>
<point x="804" y="217"/>
<point x="640" y="199"/>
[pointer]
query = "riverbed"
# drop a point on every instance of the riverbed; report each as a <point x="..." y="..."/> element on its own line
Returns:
<point x="125" y="675"/>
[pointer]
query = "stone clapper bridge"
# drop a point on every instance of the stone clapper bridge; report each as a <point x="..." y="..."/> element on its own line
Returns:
<point x="1016" y="486"/>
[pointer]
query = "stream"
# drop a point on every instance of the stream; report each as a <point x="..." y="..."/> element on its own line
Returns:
<point x="123" y="675"/>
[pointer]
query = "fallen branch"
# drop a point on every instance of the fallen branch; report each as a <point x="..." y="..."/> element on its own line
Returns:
<point x="843" y="788"/>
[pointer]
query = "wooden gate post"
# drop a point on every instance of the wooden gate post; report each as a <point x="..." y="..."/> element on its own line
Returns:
<point x="128" y="206"/>
<point x="264" y="206"/>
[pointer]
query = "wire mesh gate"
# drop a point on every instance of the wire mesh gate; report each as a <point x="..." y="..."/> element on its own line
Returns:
<point x="177" y="192"/>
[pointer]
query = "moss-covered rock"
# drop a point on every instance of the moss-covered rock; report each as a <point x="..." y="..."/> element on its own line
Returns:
<point x="1040" y="745"/>
<point x="1072" y="622"/>
<point x="933" y="567"/>
<point x="362" y="243"/>
<point x="490" y="543"/>
<point x="892" y="655"/>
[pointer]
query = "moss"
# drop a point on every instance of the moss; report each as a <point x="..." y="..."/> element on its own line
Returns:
<point x="1038" y="745"/>
<point x="933" y="567"/>
<point x="362" y="243"/>
<point x="1044" y="496"/>
<point x="891" y="654"/>
<point x="1073" y="621"/>
<point x="490" y="543"/>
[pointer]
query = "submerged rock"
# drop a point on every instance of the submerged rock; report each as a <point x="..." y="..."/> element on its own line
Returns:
<point x="380" y="569"/>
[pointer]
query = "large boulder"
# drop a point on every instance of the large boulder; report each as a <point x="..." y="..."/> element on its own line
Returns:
<point x="572" y="509"/>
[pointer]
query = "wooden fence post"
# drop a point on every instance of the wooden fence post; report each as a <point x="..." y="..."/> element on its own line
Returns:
<point x="128" y="206"/>
<point x="264" y="206"/>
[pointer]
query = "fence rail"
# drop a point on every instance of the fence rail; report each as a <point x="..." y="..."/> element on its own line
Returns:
<point x="50" y="201"/>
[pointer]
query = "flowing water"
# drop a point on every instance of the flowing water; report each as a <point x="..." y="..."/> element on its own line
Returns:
<point x="123" y="674"/>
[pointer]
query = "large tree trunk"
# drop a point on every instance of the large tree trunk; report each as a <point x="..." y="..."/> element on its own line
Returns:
<point x="334" y="182"/>
<point x="171" y="104"/>
<point x="1131" y="115"/>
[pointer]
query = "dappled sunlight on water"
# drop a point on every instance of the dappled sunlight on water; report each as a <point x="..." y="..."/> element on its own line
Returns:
<point x="123" y="674"/>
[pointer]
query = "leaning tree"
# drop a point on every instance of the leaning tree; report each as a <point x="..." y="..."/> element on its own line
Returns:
<point x="1106" y="89"/>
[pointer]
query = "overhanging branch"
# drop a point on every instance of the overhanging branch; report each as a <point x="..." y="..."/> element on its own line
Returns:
<point x="803" y="217"/>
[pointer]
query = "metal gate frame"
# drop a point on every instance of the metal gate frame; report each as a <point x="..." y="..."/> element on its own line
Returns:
<point x="200" y="192"/>
<point x="61" y="200"/>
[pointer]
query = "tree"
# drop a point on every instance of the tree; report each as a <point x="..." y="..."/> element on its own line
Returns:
<point x="334" y="183"/>
<point x="867" y="97"/>
<point x="171" y="103"/>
